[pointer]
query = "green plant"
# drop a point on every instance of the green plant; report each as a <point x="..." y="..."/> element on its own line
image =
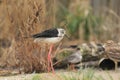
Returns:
<point x="85" y="20"/>
<point x="83" y="74"/>
<point x="110" y="77"/>
<point x="71" y="76"/>
<point x="88" y="74"/>
<point x="36" y="77"/>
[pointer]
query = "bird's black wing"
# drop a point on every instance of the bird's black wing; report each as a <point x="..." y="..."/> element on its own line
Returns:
<point x="47" y="33"/>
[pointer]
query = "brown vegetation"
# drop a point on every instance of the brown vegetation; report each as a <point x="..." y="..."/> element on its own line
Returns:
<point x="22" y="18"/>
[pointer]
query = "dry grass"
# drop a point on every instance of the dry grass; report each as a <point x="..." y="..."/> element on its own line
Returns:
<point x="111" y="25"/>
<point x="22" y="18"/>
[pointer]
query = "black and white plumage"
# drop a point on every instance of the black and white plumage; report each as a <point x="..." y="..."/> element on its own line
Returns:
<point x="53" y="35"/>
<point x="50" y="36"/>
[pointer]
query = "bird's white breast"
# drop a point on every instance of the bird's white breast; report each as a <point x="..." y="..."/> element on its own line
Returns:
<point x="49" y="40"/>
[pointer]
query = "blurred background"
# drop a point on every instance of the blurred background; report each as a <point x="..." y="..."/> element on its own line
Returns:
<point x="84" y="21"/>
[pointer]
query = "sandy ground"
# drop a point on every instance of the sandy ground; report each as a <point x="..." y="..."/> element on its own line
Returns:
<point x="109" y="75"/>
<point x="105" y="75"/>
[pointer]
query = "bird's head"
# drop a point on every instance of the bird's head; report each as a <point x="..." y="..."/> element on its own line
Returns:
<point x="62" y="33"/>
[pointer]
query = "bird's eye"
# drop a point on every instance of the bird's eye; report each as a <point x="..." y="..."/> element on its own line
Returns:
<point x="62" y="31"/>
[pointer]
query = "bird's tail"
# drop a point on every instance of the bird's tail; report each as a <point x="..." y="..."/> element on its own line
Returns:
<point x="60" y="62"/>
<point x="57" y="62"/>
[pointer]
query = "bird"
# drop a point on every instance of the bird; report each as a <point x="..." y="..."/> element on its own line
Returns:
<point x="50" y="36"/>
<point x="74" y="58"/>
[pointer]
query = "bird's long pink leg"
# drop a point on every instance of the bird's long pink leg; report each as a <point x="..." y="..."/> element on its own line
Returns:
<point x="48" y="59"/>
<point x="50" y="64"/>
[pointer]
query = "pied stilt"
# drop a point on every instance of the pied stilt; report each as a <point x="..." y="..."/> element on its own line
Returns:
<point x="50" y="36"/>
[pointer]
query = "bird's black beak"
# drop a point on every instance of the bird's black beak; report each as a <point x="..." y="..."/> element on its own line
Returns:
<point x="67" y="37"/>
